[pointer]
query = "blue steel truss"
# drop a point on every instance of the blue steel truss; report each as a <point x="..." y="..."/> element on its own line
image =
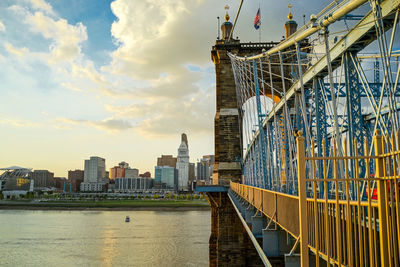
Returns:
<point x="262" y="140"/>
<point x="355" y="119"/>
<point x="331" y="97"/>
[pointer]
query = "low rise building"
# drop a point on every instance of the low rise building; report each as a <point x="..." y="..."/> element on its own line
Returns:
<point x="145" y="175"/>
<point x="133" y="184"/>
<point x="43" y="178"/>
<point x="17" y="187"/>
<point x="59" y="182"/>
<point x="93" y="187"/>
<point x="75" y="178"/>
<point x="123" y="171"/>
<point x="131" y="173"/>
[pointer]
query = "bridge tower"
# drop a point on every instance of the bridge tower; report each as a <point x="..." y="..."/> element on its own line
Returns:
<point x="226" y="122"/>
<point x="229" y="242"/>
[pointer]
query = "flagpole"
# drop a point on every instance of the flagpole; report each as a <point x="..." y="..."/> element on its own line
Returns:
<point x="259" y="34"/>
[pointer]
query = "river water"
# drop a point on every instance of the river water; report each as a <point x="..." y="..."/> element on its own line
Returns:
<point x="103" y="238"/>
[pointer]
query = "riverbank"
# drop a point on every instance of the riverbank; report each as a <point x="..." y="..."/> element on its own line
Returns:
<point x="156" y="205"/>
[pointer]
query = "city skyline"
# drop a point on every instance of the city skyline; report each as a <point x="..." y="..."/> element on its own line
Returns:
<point x="86" y="78"/>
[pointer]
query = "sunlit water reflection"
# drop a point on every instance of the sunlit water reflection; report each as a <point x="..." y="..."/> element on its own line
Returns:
<point x="103" y="238"/>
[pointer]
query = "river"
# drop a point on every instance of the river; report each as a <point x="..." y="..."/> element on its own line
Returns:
<point x="103" y="238"/>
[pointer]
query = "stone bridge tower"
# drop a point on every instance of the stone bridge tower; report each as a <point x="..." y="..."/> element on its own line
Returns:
<point x="227" y="129"/>
<point x="230" y="245"/>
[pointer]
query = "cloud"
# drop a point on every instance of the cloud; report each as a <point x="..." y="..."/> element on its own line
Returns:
<point x="66" y="38"/>
<point x="158" y="65"/>
<point x="154" y="57"/>
<point x="110" y="125"/>
<point x="20" y="52"/>
<point x="157" y="50"/>
<point x="71" y="87"/>
<point x="2" y="27"/>
<point x="159" y="118"/>
<point x="42" y="5"/>
<point x="19" y="123"/>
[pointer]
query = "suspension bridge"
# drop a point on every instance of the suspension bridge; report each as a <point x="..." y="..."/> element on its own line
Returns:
<point x="307" y="142"/>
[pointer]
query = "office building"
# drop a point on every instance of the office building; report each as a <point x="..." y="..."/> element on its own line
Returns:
<point x="94" y="175"/>
<point x="192" y="175"/>
<point x="203" y="170"/>
<point x="133" y="184"/>
<point x="167" y="160"/>
<point x="131" y="173"/>
<point x="123" y="171"/>
<point x="43" y="178"/>
<point x="62" y="184"/>
<point x="75" y="178"/>
<point x="117" y="172"/>
<point x="165" y="177"/>
<point x="182" y="164"/>
<point x="145" y="175"/>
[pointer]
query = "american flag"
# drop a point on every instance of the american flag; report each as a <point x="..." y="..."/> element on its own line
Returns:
<point x="257" y="20"/>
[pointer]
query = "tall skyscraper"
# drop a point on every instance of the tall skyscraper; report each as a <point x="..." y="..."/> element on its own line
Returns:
<point x="182" y="164"/>
<point x="94" y="175"/>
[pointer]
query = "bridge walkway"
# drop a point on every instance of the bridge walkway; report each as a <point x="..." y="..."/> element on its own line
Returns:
<point x="336" y="227"/>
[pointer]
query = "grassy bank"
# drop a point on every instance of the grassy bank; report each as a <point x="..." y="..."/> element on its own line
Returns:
<point x="107" y="204"/>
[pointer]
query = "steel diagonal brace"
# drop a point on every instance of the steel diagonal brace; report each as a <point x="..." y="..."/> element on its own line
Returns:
<point x="352" y="40"/>
<point x="260" y="118"/>
<point x="271" y="220"/>
<point x="294" y="246"/>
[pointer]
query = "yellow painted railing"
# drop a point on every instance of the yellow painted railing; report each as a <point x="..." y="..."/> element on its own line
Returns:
<point x="344" y="229"/>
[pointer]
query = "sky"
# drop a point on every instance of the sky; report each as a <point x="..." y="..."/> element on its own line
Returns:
<point x="117" y="79"/>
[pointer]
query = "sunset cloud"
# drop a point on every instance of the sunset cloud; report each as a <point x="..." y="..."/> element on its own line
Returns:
<point x="137" y="69"/>
<point x="110" y="125"/>
<point x="66" y="38"/>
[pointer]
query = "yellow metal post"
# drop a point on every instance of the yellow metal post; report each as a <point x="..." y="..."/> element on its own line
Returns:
<point x="316" y="224"/>
<point x="380" y="174"/>
<point x="301" y="168"/>
<point x="326" y="214"/>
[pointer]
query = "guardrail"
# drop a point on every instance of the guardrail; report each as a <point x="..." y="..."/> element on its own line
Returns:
<point x="343" y="227"/>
